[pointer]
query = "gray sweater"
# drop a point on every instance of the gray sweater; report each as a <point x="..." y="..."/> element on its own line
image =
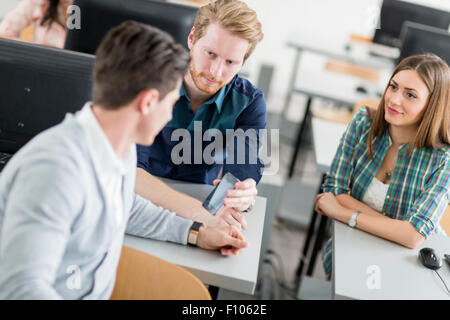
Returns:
<point x="57" y="237"/>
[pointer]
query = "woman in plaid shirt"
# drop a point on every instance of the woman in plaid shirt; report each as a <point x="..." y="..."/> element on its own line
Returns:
<point x="391" y="171"/>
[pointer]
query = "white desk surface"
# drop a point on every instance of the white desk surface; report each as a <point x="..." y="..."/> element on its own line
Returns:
<point x="402" y="276"/>
<point x="238" y="273"/>
<point x="326" y="136"/>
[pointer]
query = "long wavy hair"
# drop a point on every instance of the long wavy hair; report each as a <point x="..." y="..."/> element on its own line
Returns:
<point x="434" y="127"/>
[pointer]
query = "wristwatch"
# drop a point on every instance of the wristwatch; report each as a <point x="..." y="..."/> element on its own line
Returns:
<point x="193" y="233"/>
<point x="352" y="220"/>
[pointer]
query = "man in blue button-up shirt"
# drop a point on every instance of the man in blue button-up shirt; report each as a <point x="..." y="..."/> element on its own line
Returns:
<point x="213" y="98"/>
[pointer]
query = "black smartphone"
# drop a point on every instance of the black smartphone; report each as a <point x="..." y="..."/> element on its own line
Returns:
<point x="214" y="201"/>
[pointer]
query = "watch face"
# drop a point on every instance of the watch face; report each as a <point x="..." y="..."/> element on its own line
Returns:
<point x="352" y="222"/>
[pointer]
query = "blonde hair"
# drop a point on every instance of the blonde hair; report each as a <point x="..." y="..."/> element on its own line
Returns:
<point x="434" y="127"/>
<point x="234" y="16"/>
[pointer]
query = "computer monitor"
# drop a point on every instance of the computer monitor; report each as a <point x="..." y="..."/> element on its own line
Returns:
<point x="99" y="16"/>
<point x="39" y="85"/>
<point x="417" y="38"/>
<point x="394" y="13"/>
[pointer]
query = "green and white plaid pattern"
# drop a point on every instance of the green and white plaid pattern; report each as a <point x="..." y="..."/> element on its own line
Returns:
<point x="420" y="184"/>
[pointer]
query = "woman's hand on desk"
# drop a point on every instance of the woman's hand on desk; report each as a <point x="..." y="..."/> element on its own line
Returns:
<point x="228" y="240"/>
<point x="327" y="204"/>
<point x="399" y="231"/>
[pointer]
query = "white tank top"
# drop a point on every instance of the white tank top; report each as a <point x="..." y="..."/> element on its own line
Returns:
<point x="376" y="194"/>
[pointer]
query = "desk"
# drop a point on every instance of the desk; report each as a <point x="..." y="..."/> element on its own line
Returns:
<point x="401" y="274"/>
<point x="238" y="273"/>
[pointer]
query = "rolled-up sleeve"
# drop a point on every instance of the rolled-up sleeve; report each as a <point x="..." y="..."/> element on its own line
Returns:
<point x="429" y="207"/>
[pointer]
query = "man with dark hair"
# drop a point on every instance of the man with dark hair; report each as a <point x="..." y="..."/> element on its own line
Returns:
<point x="66" y="198"/>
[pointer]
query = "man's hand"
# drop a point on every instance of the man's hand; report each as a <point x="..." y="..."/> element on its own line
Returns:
<point x="224" y="217"/>
<point x="232" y="217"/>
<point x="229" y="240"/>
<point x="243" y="196"/>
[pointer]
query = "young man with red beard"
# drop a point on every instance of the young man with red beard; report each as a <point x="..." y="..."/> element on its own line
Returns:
<point x="212" y="96"/>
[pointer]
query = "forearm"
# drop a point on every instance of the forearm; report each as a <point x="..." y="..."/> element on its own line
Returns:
<point x="150" y="221"/>
<point x="160" y="194"/>
<point x="371" y="221"/>
<point x="349" y="202"/>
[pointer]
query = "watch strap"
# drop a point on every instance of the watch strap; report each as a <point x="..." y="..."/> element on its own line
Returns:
<point x="193" y="233"/>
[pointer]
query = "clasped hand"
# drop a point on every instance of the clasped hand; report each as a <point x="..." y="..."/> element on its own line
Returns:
<point x="327" y="204"/>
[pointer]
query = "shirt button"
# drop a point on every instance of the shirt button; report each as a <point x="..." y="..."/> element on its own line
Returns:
<point x="387" y="197"/>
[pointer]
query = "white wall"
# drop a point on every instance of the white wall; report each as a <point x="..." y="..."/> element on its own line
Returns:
<point x="6" y="6"/>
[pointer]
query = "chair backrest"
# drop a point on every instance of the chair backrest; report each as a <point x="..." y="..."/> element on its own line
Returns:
<point x="141" y="276"/>
<point x="445" y="221"/>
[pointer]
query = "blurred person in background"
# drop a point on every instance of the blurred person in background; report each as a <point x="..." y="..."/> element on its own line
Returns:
<point x="44" y="20"/>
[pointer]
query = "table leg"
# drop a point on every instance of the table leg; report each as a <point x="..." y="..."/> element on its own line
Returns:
<point x="317" y="244"/>
<point x="213" y="291"/>
<point x="304" y="256"/>
<point x="300" y="136"/>
<point x="310" y="234"/>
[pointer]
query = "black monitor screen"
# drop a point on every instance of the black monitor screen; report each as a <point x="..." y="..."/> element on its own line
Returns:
<point x="99" y="16"/>
<point x="417" y="39"/>
<point x="39" y="86"/>
<point x="394" y="13"/>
